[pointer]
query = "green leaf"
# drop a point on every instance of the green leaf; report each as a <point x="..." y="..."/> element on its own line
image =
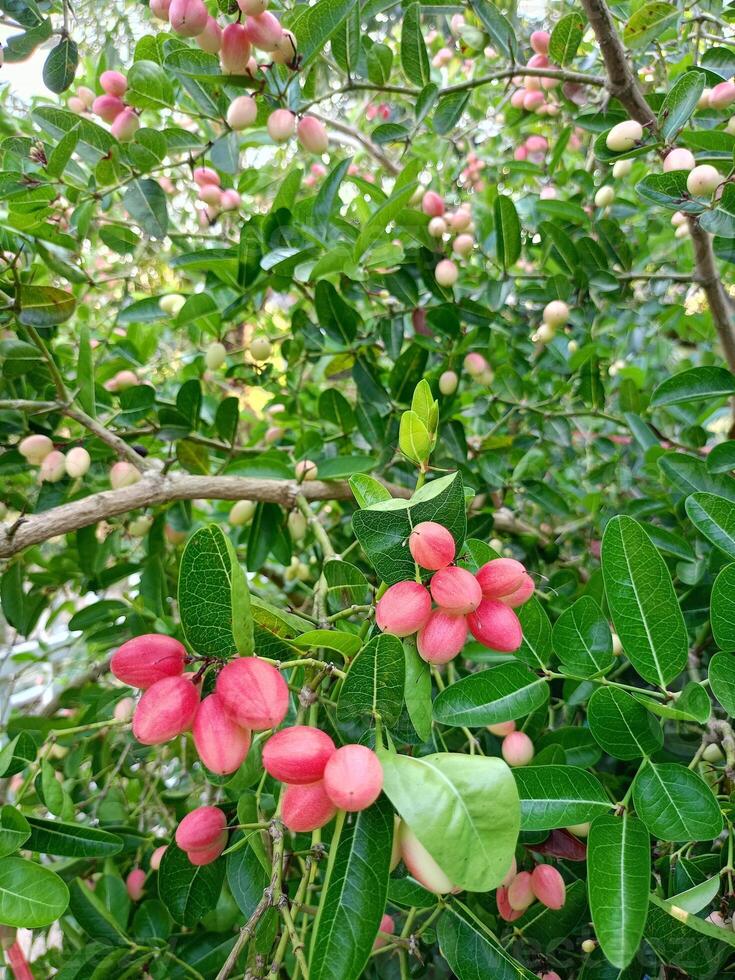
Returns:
<point x="85" y="373"/>
<point x="354" y="893"/>
<point x="94" y="916"/>
<point x="689" y="474"/>
<point x="582" y="639"/>
<point x="414" y="58"/>
<point x="507" y="231"/>
<point x="714" y="517"/>
<point x="214" y="602"/>
<point x="71" y="839"/>
<point x="315" y="25"/>
<point x="145" y="202"/>
<point x="535" y="649"/>
<point x="327" y="199"/>
<point x="675" y="804"/>
<point x="464" y="809"/>
<point x="642" y="601"/>
<point x="373" y="687"/>
<point x="680" y="103"/>
<point x="621" y="725"/>
<point x="472" y="951"/>
<point x="61" y="65"/>
<point x="14" y="830"/>
<point x="668" y="190"/>
<point x="61" y="153"/>
<point x="699" y="896"/>
<point x="565" y="39"/>
<point x="383" y="528"/>
<point x="43" y="306"/>
<point x="497" y="25"/>
<point x="346" y="644"/>
<point x="51" y="790"/>
<point x="31" y="897"/>
<point x="679" y="937"/>
<point x="618" y="884"/>
<point x="449" y="111"/>
<point x="721" y="675"/>
<point x="501" y="693"/>
<point x="694" y="384"/>
<point x="558" y="796"/>
<point x="417" y="690"/>
<point x="187" y="891"/>
<point x="413" y="438"/>
<point x="338" y="318"/>
<point x="149" y="86"/>
<point x="346" y="585"/>
<point x="651" y="20"/>
<point x="368" y="491"/>
<point x="380" y="219"/>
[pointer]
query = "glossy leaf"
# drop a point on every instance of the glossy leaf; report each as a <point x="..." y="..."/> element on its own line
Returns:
<point x="472" y="950"/>
<point x="675" y="804"/>
<point x="582" y="639"/>
<point x="31" y="896"/>
<point x="487" y="697"/>
<point x="188" y="891"/>
<point x="373" y="687"/>
<point x="621" y="725"/>
<point x="714" y="517"/>
<point x="558" y="796"/>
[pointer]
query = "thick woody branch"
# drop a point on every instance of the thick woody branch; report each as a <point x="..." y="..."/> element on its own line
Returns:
<point x="624" y="86"/>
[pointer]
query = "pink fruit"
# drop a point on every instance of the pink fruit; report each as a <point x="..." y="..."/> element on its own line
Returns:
<point x="537" y="144"/>
<point x="243" y="112"/>
<point x="235" y="50"/>
<point x="230" y="200"/>
<point x="520" y="892"/>
<point x="113" y="83"/>
<point x="446" y="273"/>
<point x="188" y="17"/>
<point x="306" y="808"/>
<point x="403" y="608"/>
<point x="210" y="39"/>
<point x="166" y="709"/>
<point x="442" y="638"/>
<point x="722" y="95"/>
<point x="548" y="886"/>
<point x="495" y="625"/>
<point x="532" y="101"/>
<point x="157" y="857"/>
<point x="504" y="908"/>
<point x="517" y="749"/>
<point x="253" y="693"/>
<point x="211" y="194"/>
<point x="76" y="105"/>
<point x="305" y="469"/>
<point x="146" y="659"/>
<point x="264" y="31"/>
<point x="53" y="467"/>
<point x="520" y="153"/>
<point x="108" y="107"/>
<point x="160" y="8"/>
<point x="285" y="50"/>
<point x="679" y="159"/>
<point x="538" y="61"/>
<point x="432" y="204"/>
<point x="500" y="577"/>
<point x="201" y="828"/>
<point x="516" y="100"/>
<point x="421" y="864"/>
<point x="124" y="710"/>
<point x="35" y="448"/>
<point x="281" y="125"/>
<point x="208" y="854"/>
<point x="205" y="175"/>
<point x="387" y="926"/>
<point x="455" y="590"/>
<point x="312" y="135"/>
<point x="540" y="41"/>
<point x="502" y="728"/>
<point x="475" y="364"/>
<point x="126" y="125"/>
<point x="551" y="975"/>
<point x="298" y="755"/>
<point x="252" y="7"/>
<point x="463" y="245"/>
<point x="135" y="883"/>
<point x="512" y="872"/>
<point x="353" y="778"/>
<point x="432" y="545"/>
<point x="222" y="745"/>
<point x="123" y="474"/>
<point x="78" y="462"/>
<point x="703" y="180"/>
<point x="522" y="594"/>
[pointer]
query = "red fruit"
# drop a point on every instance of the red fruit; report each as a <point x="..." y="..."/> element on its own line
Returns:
<point x="306" y="808"/>
<point x="442" y="638"/>
<point x="500" y="577"/>
<point x="496" y="626"/>
<point x="517" y="749"/>
<point x="353" y="778"/>
<point x="188" y="17"/>
<point x="456" y="590"/>
<point x="166" y="709"/>
<point x="522" y="594"/>
<point x="520" y="892"/>
<point x="108" y="107"/>
<point x="208" y="854"/>
<point x="146" y="659"/>
<point x="201" y="828"/>
<point x="432" y="546"/>
<point x="234" y="50"/>
<point x="253" y="693"/>
<point x="504" y="909"/>
<point x="432" y="204"/>
<point x="548" y="886"/>
<point x="113" y="83"/>
<point x="222" y="745"/>
<point x="135" y="883"/>
<point x="403" y="608"/>
<point x="298" y="755"/>
<point x="388" y="926"/>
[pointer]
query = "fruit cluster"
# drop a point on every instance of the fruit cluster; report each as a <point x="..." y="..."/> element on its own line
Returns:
<point x="53" y="465"/>
<point x="482" y="603"/>
<point x="530" y="93"/>
<point x="520" y="889"/>
<point x="111" y="107"/>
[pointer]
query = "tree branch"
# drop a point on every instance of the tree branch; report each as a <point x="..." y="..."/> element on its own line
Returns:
<point x="358" y="137"/>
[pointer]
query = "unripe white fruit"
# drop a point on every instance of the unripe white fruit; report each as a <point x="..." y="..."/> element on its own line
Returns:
<point x="241" y="512"/>
<point x="679" y="159"/>
<point x="624" y="136"/>
<point x="448" y="382"/>
<point x="556" y="313"/>
<point x="297" y="525"/>
<point x="604" y="197"/>
<point x="446" y="273"/>
<point x="730" y="128"/>
<point x="682" y="231"/>
<point x="545" y="334"/>
<point x="253" y="7"/>
<point x="622" y="168"/>
<point x="281" y="125"/>
<point x="703" y="180"/>
<point x="242" y="112"/>
<point x="678" y="218"/>
<point x="216" y="355"/>
<point x="579" y="829"/>
<point x="589" y="946"/>
<point x="53" y="467"/>
<point x="572" y="347"/>
<point x="260" y="349"/>
<point x="437" y="227"/>
<point x="617" y="645"/>
<point x="712" y="753"/>
<point x="305" y="469"/>
<point x="171" y="304"/>
<point x="463" y="244"/>
<point x="703" y="101"/>
<point x="35" y="448"/>
<point x="78" y="462"/>
<point x="123" y="474"/>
